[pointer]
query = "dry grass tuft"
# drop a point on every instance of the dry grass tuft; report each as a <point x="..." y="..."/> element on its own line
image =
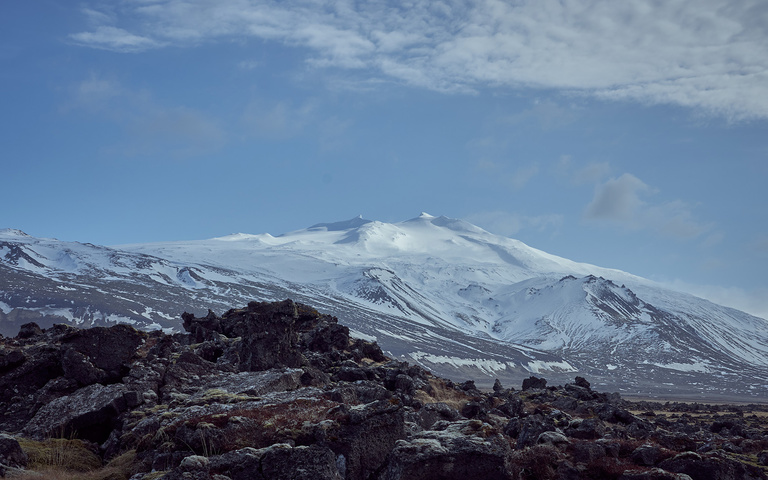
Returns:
<point x="72" y="459"/>
<point x="60" y="454"/>
<point x="440" y="392"/>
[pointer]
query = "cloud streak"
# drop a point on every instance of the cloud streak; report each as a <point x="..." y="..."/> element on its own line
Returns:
<point x="178" y="130"/>
<point x="508" y="224"/>
<point x="112" y="38"/>
<point x="622" y="201"/>
<point x="706" y="55"/>
<point x="753" y="301"/>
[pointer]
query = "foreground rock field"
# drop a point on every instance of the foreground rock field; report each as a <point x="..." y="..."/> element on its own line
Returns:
<point x="280" y="391"/>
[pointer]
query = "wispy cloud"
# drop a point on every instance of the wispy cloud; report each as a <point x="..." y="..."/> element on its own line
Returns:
<point x="707" y="55"/>
<point x="151" y="126"/>
<point x="624" y="201"/>
<point x="112" y="38"/>
<point x="508" y="224"/>
<point x="753" y="301"/>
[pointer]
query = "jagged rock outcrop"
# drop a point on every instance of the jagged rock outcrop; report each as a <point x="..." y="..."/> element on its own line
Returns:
<point x="468" y="449"/>
<point x="280" y="391"/>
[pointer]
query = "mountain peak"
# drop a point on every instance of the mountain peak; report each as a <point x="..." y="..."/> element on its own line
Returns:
<point x="12" y="232"/>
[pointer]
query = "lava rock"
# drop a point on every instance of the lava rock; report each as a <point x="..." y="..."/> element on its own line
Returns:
<point x="646" y="455"/>
<point x="534" y="382"/>
<point x="29" y="330"/>
<point x="89" y="413"/>
<point x="466" y="450"/>
<point x="11" y="454"/>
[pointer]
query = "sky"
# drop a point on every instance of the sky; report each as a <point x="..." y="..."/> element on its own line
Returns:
<point x="630" y="135"/>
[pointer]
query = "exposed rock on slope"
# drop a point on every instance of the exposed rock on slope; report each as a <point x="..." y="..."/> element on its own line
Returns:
<point x="280" y="391"/>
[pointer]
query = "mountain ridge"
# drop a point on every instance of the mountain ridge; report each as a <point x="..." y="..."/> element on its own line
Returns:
<point x="429" y="289"/>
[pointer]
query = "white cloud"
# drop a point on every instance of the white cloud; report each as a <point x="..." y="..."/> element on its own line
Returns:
<point x="707" y="55"/>
<point x="622" y="201"/>
<point x="113" y="38"/>
<point x="508" y="224"/>
<point x="618" y="200"/>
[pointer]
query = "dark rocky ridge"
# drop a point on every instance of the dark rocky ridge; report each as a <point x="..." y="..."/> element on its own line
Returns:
<point x="280" y="391"/>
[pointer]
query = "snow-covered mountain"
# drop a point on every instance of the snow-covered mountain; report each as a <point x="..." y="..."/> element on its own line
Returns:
<point x="437" y="291"/>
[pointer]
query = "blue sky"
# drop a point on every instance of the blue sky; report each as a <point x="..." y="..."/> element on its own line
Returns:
<point x="631" y="135"/>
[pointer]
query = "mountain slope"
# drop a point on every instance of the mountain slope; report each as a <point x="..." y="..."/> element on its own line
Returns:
<point x="438" y="291"/>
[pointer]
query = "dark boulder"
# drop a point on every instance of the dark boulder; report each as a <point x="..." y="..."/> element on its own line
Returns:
<point x="652" y="474"/>
<point x="326" y="337"/>
<point x="473" y="410"/>
<point x="107" y="349"/>
<point x="431" y="413"/>
<point x="582" y="382"/>
<point x="528" y="429"/>
<point x="497" y="387"/>
<point x="579" y="392"/>
<point x="534" y="382"/>
<point x="647" y="455"/>
<point x="368" y="432"/>
<point x="466" y="450"/>
<point x="78" y="367"/>
<point x="21" y="385"/>
<point x="586" y="429"/>
<point x="587" y="452"/>
<point x="11" y="454"/>
<point x="470" y="388"/>
<point x="711" y="466"/>
<point x="271" y="334"/>
<point x="29" y="330"/>
<point x="314" y="462"/>
<point x="514" y="407"/>
<point x="90" y="413"/>
<point x="10" y="358"/>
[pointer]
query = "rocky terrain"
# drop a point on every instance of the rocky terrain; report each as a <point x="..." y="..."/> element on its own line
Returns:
<point x="280" y="391"/>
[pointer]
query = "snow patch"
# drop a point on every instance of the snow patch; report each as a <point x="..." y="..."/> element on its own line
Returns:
<point x="699" y="367"/>
<point x="538" y="366"/>
<point x="487" y="366"/>
<point x="361" y="335"/>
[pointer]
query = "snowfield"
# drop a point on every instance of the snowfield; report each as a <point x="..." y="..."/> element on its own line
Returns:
<point x="439" y="291"/>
